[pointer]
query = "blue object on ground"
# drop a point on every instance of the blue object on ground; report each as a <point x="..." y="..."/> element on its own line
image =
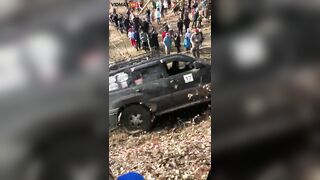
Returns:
<point x="131" y="176"/>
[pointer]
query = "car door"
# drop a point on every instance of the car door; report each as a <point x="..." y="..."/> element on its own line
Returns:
<point x="184" y="83"/>
<point x="152" y="83"/>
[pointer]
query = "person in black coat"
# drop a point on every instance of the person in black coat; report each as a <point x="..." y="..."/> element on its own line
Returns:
<point x="177" y="41"/>
<point x="145" y="26"/>
<point x="148" y="15"/>
<point x="154" y="43"/>
<point x="182" y="13"/>
<point x="115" y="20"/>
<point x="186" y="22"/>
<point x="180" y="25"/>
<point x="126" y="24"/>
<point x="136" y="23"/>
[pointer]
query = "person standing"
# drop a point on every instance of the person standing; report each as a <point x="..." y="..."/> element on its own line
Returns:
<point x="182" y="13"/>
<point x="167" y="42"/>
<point x="161" y="10"/>
<point x="158" y="15"/>
<point x="187" y="22"/>
<point x="128" y="12"/>
<point x="131" y="37"/>
<point x="159" y="5"/>
<point x="154" y="39"/>
<point x="180" y="26"/>
<point x="148" y="15"/>
<point x="187" y="41"/>
<point x="177" y="41"/>
<point x="126" y="24"/>
<point x="204" y="8"/>
<point x="199" y="21"/>
<point x="137" y="39"/>
<point x="195" y="18"/>
<point x="154" y="5"/>
<point x="169" y="4"/>
<point x="145" y="26"/>
<point x="195" y="4"/>
<point x="164" y="32"/>
<point x="165" y="6"/>
<point x="196" y="40"/>
<point x="144" y="40"/>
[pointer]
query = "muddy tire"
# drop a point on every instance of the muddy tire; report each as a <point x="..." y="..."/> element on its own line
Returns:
<point x="136" y="118"/>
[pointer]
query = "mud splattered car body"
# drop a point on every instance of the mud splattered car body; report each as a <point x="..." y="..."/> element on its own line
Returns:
<point x="156" y="87"/>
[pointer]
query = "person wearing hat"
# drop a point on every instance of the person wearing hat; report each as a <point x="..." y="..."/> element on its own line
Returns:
<point x="167" y="42"/>
<point x="196" y="41"/>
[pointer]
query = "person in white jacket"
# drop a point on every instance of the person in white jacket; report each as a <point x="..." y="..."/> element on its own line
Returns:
<point x="165" y="6"/>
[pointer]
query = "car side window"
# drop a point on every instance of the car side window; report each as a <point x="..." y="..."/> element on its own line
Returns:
<point x="176" y="67"/>
<point x="147" y="74"/>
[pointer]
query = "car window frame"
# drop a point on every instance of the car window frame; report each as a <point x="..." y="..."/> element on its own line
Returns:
<point x="176" y="58"/>
<point x="163" y="70"/>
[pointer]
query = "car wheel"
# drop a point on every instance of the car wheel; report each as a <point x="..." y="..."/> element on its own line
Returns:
<point x="136" y="118"/>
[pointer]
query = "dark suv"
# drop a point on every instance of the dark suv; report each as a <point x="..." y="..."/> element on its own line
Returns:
<point x="139" y="92"/>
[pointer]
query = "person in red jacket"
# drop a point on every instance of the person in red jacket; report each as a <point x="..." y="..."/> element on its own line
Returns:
<point x="163" y="34"/>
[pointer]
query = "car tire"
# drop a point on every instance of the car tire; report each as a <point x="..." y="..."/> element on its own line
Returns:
<point x="136" y="118"/>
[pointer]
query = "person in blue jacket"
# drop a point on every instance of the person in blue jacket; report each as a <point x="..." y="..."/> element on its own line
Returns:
<point x="136" y="36"/>
<point x="167" y="42"/>
<point x="187" y="40"/>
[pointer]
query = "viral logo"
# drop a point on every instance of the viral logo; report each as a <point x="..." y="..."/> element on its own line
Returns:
<point x="119" y="4"/>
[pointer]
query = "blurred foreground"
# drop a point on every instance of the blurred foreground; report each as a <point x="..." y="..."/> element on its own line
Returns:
<point x="52" y="90"/>
<point x="266" y="71"/>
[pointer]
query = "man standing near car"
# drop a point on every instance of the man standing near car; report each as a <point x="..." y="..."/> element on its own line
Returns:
<point x="196" y="41"/>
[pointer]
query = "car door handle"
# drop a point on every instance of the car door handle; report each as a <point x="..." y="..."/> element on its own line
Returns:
<point x="138" y="90"/>
<point x="173" y="81"/>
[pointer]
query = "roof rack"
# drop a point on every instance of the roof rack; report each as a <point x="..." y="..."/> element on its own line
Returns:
<point x="128" y="62"/>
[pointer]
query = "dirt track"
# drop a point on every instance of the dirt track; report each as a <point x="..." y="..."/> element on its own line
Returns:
<point x="179" y="147"/>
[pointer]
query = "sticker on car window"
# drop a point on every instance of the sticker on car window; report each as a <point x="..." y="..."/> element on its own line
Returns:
<point x="112" y="79"/>
<point x="188" y="78"/>
<point x="124" y="84"/>
<point x="122" y="77"/>
<point x="113" y="86"/>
